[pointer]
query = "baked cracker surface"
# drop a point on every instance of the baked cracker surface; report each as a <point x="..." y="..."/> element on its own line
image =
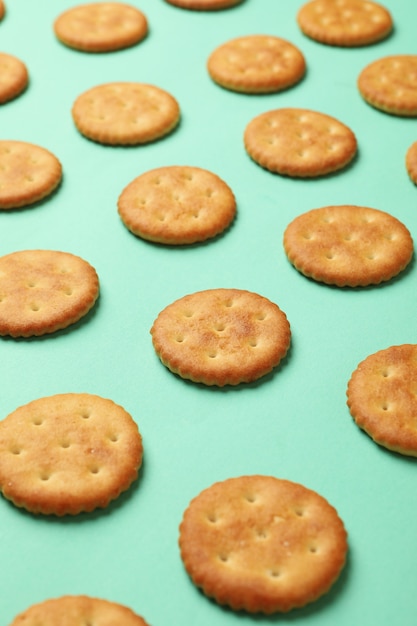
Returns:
<point x="221" y="336"/>
<point x="262" y="544"/>
<point x="67" y="454"/>
<point x="381" y="397"/>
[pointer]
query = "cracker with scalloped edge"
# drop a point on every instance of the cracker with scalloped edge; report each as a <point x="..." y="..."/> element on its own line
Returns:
<point x="221" y="336"/>
<point x="262" y="544"/>
<point x="125" y="113"/>
<point x="177" y="205"/>
<point x="14" y="77"/>
<point x="101" y="26"/>
<point x="389" y="84"/>
<point x="382" y="400"/>
<point x="299" y="143"/>
<point x="346" y="23"/>
<point x="75" y="610"/>
<point x="68" y="453"/>
<point x="256" y="64"/>
<point x="28" y="174"/>
<point x="42" y="291"/>
<point x="348" y="246"/>
<point x="411" y="162"/>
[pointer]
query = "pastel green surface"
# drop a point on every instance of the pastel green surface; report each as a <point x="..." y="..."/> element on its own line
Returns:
<point x="293" y="424"/>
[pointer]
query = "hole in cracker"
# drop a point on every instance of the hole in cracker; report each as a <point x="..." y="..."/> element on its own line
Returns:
<point x="114" y="438"/>
<point x="212" y="518"/>
<point x="16" y="450"/>
<point x="37" y="421"/>
<point x="85" y="414"/>
<point x="30" y="284"/>
<point x="188" y="313"/>
<point x="34" y="307"/>
<point x="261" y="534"/>
<point x="385" y="406"/>
<point x="312" y="549"/>
<point x="220" y="327"/>
<point x="275" y="573"/>
<point x="212" y="355"/>
<point x="65" y="444"/>
<point x="68" y="291"/>
<point x="251" y="498"/>
<point x="179" y="338"/>
<point x="94" y="470"/>
<point x="299" y="512"/>
<point x="45" y="476"/>
<point x="224" y="558"/>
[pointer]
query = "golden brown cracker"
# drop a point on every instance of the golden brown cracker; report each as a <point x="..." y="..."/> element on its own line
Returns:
<point x="299" y="142"/>
<point x="42" y="291"/>
<point x="348" y="245"/>
<point x="77" y="610"/>
<point x="262" y="544"/>
<point x="68" y="453"/>
<point x="28" y="173"/>
<point x="346" y="23"/>
<point x="389" y="84"/>
<point x="382" y="400"/>
<point x="125" y="113"/>
<point x="221" y="336"/>
<point x="256" y="64"/>
<point x="101" y="26"/>
<point x="411" y="162"/>
<point x="177" y="205"/>
<point x="14" y="77"/>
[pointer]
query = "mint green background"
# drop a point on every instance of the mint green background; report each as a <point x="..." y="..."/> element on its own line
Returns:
<point x="293" y="424"/>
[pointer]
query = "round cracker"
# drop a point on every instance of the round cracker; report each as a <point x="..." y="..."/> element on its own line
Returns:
<point x="348" y="246"/>
<point x="256" y="64"/>
<point x="28" y="173"/>
<point x="67" y="454"/>
<point x="299" y="142"/>
<point x="390" y="84"/>
<point x="411" y="162"/>
<point x="14" y="77"/>
<point x="42" y="291"/>
<point x="204" y="5"/>
<point x="72" y="610"/>
<point x="101" y="26"/>
<point x="262" y="544"/>
<point x="221" y="336"/>
<point x="347" y="23"/>
<point x="382" y="400"/>
<point x="177" y="205"/>
<point x="125" y="113"/>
